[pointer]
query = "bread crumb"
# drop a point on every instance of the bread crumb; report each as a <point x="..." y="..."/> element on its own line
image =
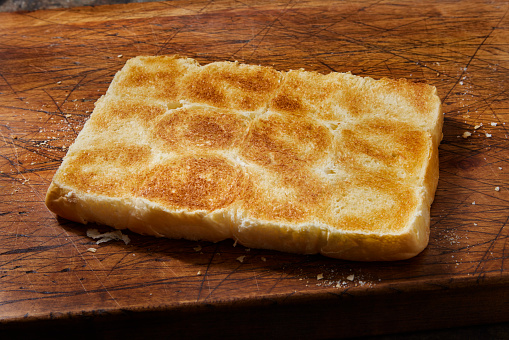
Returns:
<point x="119" y="56"/>
<point x="264" y="259"/>
<point x="199" y="273"/>
<point x="488" y="135"/>
<point x="319" y="276"/>
<point x="499" y="168"/>
<point x="109" y="236"/>
<point x="477" y="126"/>
<point x="197" y="248"/>
<point x="235" y="243"/>
<point x="466" y="134"/>
<point x="350" y="277"/>
<point x="493" y="124"/>
<point x="59" y="82"/>
<point x="473" y="202"/>
<point x="248" y="249"/>
<point x="68" y="115"/>
<point x="92" y="250"/>
<point x="497" y="188"/>
<point x="241" y="258"/>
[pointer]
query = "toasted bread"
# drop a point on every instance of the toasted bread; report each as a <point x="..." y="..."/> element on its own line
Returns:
<point x="296" y="161"/>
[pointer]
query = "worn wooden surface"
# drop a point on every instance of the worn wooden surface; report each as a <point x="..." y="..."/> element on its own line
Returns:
<point x="55" y="64"/>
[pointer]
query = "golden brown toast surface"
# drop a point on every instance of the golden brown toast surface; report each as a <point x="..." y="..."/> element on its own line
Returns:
<point x="294" y="161"/>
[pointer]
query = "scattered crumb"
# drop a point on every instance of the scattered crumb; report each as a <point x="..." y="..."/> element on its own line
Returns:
<point x="241" y="258"/>
<point x="59" y="82"/>
<point x="475" y="223"/>
<point x="466" y="134"/>
<point x="235" y="243"/>
<point x="473" y="202"/>
<point x="92" y="250"/>
<point x="199" y="273"/>
<point x="477" y="126"/>
<point x="109" y="236"/>
<point x="493" y="124"/>
<point x="497" y="188"/>
<point x="319" y="277"/>
<point x="499" y="168"/>
<point x="350" y="277"/>
<point x="248" y="249"/>
<point x="119" y="56"/>
<point x="264" y="259"/>
<point x="488" y="135"/>
<point x="197" y="248"/>
<point x="68" y="115"/>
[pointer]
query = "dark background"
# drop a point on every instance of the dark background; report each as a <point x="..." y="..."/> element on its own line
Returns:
<point x="32" y="5"/>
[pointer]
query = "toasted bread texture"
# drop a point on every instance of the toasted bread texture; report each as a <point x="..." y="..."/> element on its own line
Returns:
<point x="295" y="161"/>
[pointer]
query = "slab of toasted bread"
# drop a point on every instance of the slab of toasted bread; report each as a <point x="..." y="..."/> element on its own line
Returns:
<point x="294" y="161"/>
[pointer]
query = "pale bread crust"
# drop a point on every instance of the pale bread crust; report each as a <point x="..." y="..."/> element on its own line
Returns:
<point x="275" y="160"/>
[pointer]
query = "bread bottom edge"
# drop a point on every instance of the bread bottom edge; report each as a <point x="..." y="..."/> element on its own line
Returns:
<point x="147" y="218"/>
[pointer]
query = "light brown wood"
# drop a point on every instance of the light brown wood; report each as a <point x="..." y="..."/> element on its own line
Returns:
<point x="55" y="64"/>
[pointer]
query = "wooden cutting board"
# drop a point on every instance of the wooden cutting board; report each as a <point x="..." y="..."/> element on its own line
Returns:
<point x="55" y="64"/>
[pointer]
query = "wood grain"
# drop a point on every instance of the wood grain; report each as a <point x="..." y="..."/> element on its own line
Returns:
<point x="55" y="64"/>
